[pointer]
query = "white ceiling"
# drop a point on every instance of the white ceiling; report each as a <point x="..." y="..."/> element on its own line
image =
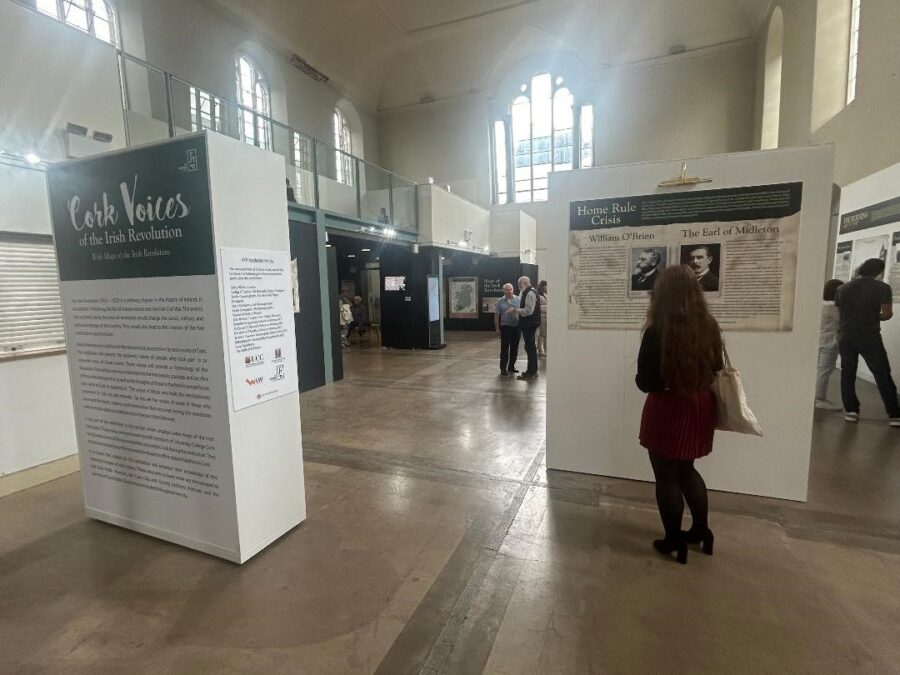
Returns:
<point x="391" y="53"/>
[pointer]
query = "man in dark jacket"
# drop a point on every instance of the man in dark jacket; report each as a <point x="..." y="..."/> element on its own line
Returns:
<point x="529" y="312"/>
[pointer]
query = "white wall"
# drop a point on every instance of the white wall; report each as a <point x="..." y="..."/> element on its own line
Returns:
<point x="51" y="74"/>
<point x="878" y="187"/>
<point x="196" y="43"/>
<point x="593" y="406"/>
<point x="36" y="421"/>
<point x="814" y="81"/>
<point x="79" y="75"/>
<point x="444" y="217"/>
<point x="688" y="105"/>
<point x="513" y="234"/>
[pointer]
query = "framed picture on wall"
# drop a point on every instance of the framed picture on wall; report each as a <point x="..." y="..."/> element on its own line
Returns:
<point x="462" y="297"/>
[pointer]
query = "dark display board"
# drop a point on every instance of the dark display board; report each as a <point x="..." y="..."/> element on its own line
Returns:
<point x="308" y="321"/>
<point x="492" y="273"/>
<point x="144" y="213"/>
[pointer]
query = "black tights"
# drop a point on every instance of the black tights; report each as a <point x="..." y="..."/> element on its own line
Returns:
<point x="677" y="482"/>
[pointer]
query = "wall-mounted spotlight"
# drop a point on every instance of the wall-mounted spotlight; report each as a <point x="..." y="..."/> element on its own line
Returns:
<point x="76" y="129"/>
<point x="102" y="136"/>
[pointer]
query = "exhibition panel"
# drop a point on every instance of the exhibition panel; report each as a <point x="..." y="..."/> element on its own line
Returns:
<point x="180" y="331"/>
<point x="870" y="228"/>
<point x="754" y="228"/>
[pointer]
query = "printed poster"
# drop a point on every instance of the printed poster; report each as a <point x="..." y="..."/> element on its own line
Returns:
<point x="463" y="297"/>
<point x="740" y="242"/>
<point x="843" y="261"/>
<point x="259" y="316"/>
<point x="870" y="247"/>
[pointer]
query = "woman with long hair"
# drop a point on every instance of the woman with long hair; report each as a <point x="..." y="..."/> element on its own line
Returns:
<point x="680" y="353"/>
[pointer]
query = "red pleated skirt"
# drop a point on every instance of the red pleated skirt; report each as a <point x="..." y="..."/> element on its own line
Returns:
<point x="679" y="427"/>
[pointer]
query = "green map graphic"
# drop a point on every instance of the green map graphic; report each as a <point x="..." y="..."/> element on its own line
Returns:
<point x="463" y="300"/>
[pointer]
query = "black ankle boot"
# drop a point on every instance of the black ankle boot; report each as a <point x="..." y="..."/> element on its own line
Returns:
<point x="667" y="547"/>
<point x="704" y="537"/>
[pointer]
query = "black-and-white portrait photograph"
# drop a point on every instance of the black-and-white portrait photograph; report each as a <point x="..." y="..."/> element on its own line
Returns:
<point x="646" y="264"/>
<point x="706" y="261"/>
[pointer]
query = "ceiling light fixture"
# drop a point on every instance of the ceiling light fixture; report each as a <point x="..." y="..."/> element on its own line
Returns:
<point x="32" y="158"/>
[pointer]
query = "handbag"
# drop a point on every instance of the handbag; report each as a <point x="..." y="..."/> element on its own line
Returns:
<point x="733" y="411"/>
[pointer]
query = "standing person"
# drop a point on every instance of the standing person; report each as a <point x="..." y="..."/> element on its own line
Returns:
<point x="828" y="344"/>
<point x="864" y="303"/>
<point x="542" y="335"/>
<point x="506" y="325"/>
<point x="346" y="318"/>
<point x="529" y="315"/>
<point x="360" y="316"/>
<point x="680" y="353"/>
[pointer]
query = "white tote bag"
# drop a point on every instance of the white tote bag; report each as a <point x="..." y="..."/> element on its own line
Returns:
<point x="733" y="411"/>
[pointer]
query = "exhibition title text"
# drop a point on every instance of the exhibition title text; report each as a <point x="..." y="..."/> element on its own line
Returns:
<point x="608" y="214"/>
<point x="145" y="211"/>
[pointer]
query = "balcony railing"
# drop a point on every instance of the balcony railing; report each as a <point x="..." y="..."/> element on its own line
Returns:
<point x="157" y="105"/>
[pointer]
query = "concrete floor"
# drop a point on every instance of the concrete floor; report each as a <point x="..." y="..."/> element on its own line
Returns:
<point x="437" y="541"/>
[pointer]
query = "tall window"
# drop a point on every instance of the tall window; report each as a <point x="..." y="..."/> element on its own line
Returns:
<point x="343" y="144"/>
<point x="253" y="95"/>
<point x="853" y="63"/>
<point x="206" y="111"/>
<point x="543" y="138"/>
<point x="771" y="114"/>
<point x="95" y="17"/>
<point x="301" y="158"/>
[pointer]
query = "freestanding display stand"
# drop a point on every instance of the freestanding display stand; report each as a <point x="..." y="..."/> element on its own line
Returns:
<point x="755" y="228"/>
<point x="176" y="286"/>
<point x="870" y="228"/>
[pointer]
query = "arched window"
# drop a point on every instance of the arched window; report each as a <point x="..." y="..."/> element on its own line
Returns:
<point x="253" y="95"/>
<point x="343" y="144"/>
<point x="539" y="136"/>
<point x="771" y="116"/>
<point x="95" y="17"/>
<point x="853" y="63"/>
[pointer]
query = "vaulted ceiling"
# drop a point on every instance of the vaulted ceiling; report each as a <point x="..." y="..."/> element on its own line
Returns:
<point x="391" y="53"/>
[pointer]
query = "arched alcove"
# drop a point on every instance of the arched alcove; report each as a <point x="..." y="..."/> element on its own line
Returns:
<point x="772" y="88"/>
<point x="348" y="110"/>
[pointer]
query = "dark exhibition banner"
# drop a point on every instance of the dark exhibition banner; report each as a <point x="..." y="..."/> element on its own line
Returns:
<point x="731" y="204"/>
<point x="883" y="213"/>
<point x="142" y="213"/>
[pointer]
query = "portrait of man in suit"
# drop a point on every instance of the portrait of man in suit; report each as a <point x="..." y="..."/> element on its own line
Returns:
<point x="647" y="263"/>
<point x="704" y="259"/>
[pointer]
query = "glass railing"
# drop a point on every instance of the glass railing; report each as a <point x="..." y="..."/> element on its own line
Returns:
<point x="160" y="105"/>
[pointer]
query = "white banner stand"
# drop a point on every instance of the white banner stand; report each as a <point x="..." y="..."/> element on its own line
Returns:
<point x="593" y="405"/>
<point x="175" y="279"/>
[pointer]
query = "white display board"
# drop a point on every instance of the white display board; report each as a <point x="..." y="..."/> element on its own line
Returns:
<point x="593" y="405"/>
<point x="870" y="228"/>
<point x="165" y="444"/>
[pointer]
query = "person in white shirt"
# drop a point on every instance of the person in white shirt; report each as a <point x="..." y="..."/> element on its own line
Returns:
<point x="542" y="333"/>
<point x="828" y="344"/>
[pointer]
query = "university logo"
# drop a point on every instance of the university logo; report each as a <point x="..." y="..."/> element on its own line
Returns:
<point x="253" y="359"/>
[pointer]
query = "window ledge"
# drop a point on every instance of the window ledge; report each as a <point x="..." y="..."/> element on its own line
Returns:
<point x="32" y="353"/>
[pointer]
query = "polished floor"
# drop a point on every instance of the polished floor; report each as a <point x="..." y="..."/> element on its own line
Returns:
<point x="437" y="541"/>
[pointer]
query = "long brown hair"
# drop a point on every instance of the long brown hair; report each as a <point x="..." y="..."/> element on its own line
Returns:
<point x="690" y="339"/>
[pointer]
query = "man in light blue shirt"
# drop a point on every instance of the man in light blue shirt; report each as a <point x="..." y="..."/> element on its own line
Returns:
<point x="506" y="325"/>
